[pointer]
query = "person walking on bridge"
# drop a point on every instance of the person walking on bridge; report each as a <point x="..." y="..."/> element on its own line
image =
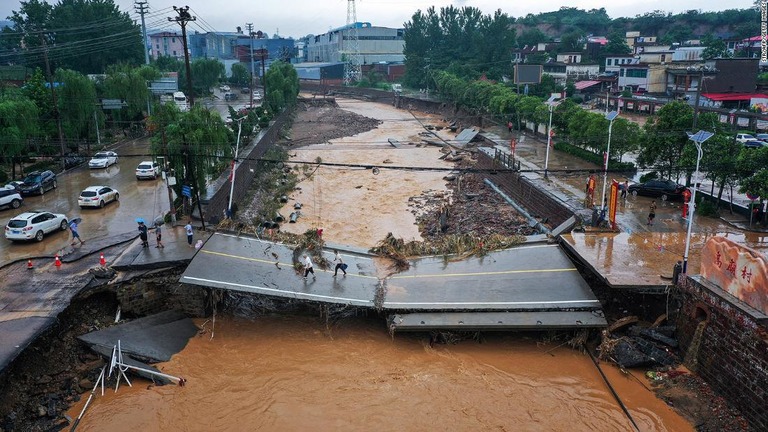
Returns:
<point x="75" y="234"/>
<point x="308" y="268"/>
<point x="339" y="264"/>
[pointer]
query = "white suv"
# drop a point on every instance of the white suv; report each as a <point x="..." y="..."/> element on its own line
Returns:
<point x="34" y="225"/>
<point x="10" y="198"/>
<point x="742" y="138"/>
<point x="147" y="169"/>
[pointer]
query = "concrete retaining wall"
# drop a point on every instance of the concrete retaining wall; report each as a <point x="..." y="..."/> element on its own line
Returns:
<point x="215" y="205"/>
<point x="528" y="194"/>
<point x="732" y="350"/>
<point x="149" y="296"/>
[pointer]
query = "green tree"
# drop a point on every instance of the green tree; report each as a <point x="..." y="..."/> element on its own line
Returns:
<point x="128" y="84"/>
<point x="206" y="73"/>
<point x="666" y="139"/>
<point x="282" y="86"/>
<point x="18" y="123"/>
<point x="77" y="103"/>
<point x="240" y="75"/>
<point x="531" y="37"/>
<point x="617" y="44"/>
<point x="36" y="89"/>
<point x="168" y="64"/>
<point x="82" y="35"/>
<point x="715" y="48"/>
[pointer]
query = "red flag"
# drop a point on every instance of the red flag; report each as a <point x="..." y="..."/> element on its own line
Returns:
<point x="232" y="172"/>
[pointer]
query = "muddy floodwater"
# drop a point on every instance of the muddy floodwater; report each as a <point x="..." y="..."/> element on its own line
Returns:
<point x="288" y="373"/>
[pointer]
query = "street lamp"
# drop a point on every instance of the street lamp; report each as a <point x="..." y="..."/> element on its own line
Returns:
<point x="698" y="138"/>
<point x="234" y="164"/>
<point x="611" y="116"/>
<point x="551" y="103"/>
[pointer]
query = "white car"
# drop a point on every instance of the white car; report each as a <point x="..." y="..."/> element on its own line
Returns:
<point x="10" y="198"/>
<point x="97" y="196"/>
<point x="34" y="225"/>
<point x="742" y="138"/>
<point x="147" y="169"/>
<point x="103" y="159"/>
<point x="224" y="88"/>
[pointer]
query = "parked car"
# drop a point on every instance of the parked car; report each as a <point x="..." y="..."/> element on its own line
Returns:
<point x="147" y="169"/>
<point x="755" y="144"/>
<point x="257" y="95"/>
<point x="245" y="90"/>
<point x="14" y="185"/>
<point x="742" y="138"/>
<point x="224" y="88"/>
<point x="38" y="182"/>
<point x="34" y="225"/>
<point x="664" y="189"/>
<point x="103" y="159"/>
<point x="229" y="96"/>
<point x="97" y="196"/>
<point x="762" y="137"/>
<point x="10" y="198"/>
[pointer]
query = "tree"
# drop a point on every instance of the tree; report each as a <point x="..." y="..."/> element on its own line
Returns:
<point x="206" y="73"/>
<point x="82" y="35"/>
<point x="18" y="123"/>
<point x="617" y="44"/>
<point x="715" y="48"/>
<point x="240" y="75"/>
<point x="77" y="103"/>
<point x="168" y="64"/>
<point x="129" y="84"/>
<point x="531" y="37"/>
<point x="666" y="138"/>
<point x="282" y="86"/>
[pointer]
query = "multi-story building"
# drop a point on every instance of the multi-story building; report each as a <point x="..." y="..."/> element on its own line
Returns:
<point x="375" y="44"/>
<point x="169" y="44"/>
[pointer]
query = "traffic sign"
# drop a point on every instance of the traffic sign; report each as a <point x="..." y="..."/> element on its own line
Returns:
<point x="752" y="197"/>
<point x="186" y="191"/>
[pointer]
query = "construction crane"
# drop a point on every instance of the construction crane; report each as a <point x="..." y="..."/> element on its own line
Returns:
<point x="351" y="47"/>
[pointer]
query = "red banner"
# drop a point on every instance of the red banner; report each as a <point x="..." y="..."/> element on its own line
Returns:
<point x="613" y="200"/>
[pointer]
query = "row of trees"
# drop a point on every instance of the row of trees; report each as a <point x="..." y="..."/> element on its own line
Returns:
<point x="661" y="145"/>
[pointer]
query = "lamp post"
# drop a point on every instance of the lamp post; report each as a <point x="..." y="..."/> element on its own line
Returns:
<point x="698" y="138"/>
<point x="234" y="164"/>
<point x="551" y="103"/>
<point x="611" y="116"/>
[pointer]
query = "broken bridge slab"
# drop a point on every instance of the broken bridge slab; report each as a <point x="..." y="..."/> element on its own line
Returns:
<point x="475" y="321"/>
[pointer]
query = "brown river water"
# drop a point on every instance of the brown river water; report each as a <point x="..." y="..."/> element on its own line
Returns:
<point x="292" y="373"/>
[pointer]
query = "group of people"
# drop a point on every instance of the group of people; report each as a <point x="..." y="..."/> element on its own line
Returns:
<point x="309" y="267"/>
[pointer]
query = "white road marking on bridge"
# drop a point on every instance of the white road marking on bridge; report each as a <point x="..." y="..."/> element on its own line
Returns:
<point x="388" y="303"/>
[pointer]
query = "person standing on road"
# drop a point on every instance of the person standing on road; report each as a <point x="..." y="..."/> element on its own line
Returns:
<point x="308" y="268"/>
<point x="190" y="233"/>
<point x="75" y="235"/>
<point x="652" y="213"/>
<point x="159" y="236"/>
<point x="339" y="264"/>
<point x="143" y="234"/>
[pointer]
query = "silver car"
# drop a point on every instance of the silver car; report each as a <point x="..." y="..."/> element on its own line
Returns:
<point x="97" y="196"/>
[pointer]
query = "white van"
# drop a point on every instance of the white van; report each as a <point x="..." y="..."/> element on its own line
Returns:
<point x="180" y="99"/>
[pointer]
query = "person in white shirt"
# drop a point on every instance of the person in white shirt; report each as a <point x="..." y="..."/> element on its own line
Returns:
<point x="308" y="267"/>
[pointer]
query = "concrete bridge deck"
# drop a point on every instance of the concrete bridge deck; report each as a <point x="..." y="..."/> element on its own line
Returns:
<point x="536" y="279"/>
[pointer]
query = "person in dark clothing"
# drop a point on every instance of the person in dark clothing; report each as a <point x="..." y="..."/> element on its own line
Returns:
<point x="143" y="235"/>
<point x="339" y="264"/>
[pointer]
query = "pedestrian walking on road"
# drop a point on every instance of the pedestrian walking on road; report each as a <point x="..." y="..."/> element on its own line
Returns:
<point x="159" y="236"/>
<point x="509" y="126"/>
<point x="339" y="264"/>
<point x="652" y="213"/>
<point x="308" y="268"/>
<point x="75" y="235"/>
<point x="143" y="234"/>
<point x="190" y="233"/>
<point x="624" y="190"/>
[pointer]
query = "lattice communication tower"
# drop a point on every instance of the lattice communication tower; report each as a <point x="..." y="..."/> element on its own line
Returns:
<point x="352" y="72"/>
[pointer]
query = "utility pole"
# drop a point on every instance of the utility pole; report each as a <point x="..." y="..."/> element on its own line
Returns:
<point x="264" y="72"/>
<point x="698" y="95"/>
<point x="253" y="73"/>
<point x="141" y="8"/>
<point x="182" y="20"/>
<point x="56" y="112"/>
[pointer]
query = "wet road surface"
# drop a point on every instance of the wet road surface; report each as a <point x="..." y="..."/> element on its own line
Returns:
<point x="145" y="198"/>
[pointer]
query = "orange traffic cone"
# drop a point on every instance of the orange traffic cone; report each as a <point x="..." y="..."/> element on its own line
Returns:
<point x="102" y="261"/>
<point x="29" y="265"/>
<point x="58" y="262"/>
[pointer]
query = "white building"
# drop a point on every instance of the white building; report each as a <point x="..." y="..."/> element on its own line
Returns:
<point x="375" y="44"/>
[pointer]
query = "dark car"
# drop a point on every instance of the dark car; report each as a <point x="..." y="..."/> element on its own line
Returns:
<point x="754" y="144"/>
<point x="664" y="189"/>
<point x="38" y="183"/>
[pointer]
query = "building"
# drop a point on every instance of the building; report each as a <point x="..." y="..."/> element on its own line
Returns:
<point x="218" y="45"/>
<point x="168" y="44"/>
<point x="375" y="44"/>
<point x="563" y="72"/>
<point x="320" y="73"/>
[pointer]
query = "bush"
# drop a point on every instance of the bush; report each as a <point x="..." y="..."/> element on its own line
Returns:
<point x="587" y="155"/>
<point x="3" y="176"/>
<point x="707" y="208"/>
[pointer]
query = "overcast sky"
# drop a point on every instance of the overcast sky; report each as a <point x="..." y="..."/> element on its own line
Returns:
<point x="301" y="17"/>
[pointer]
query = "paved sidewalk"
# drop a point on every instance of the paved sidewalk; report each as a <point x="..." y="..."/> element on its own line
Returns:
<point x="639" y="255"/>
